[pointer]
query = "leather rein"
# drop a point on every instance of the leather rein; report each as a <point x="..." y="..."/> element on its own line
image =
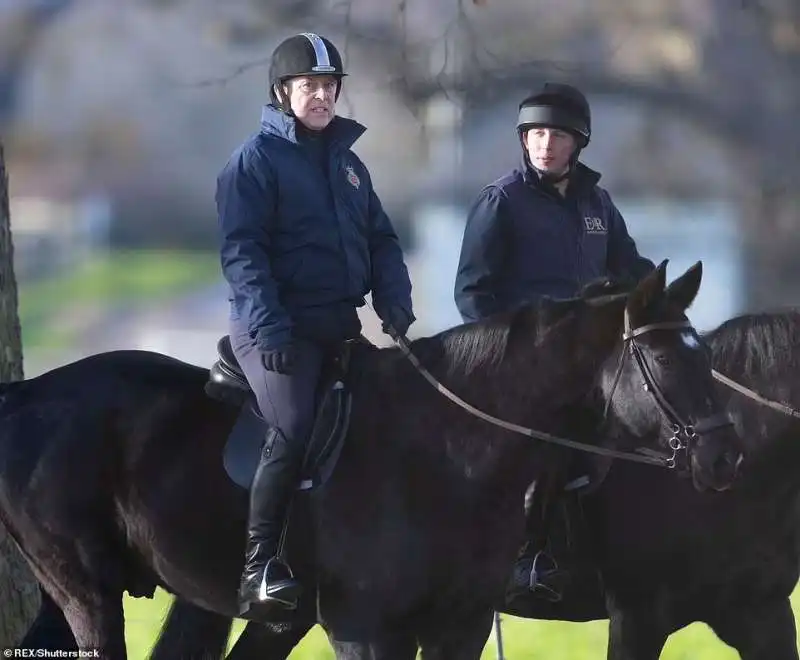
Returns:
<point x="683" y="433"/>
<point x="755" y="396"/>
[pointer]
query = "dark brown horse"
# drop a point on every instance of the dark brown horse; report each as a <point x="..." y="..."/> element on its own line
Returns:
<point x="111" y="474"/>
<point x="667" y="555"/>
<point x="670" y="557"/>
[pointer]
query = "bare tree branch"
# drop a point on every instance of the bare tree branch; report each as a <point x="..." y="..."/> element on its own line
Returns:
<point x="18" y="39"/>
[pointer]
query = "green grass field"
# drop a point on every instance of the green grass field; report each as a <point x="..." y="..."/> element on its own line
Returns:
<point x="523" y="639"/>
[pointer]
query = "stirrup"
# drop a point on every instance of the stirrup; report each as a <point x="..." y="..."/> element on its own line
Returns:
<point x="285" y="590"/>
<point x="537" y="586"/>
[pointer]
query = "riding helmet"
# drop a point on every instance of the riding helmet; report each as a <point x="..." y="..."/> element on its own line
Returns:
<point x="557" y="105"/>
<point x="304" y="54"/>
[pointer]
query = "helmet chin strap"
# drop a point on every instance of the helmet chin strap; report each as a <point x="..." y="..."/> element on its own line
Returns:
<point x="282" y="99"/>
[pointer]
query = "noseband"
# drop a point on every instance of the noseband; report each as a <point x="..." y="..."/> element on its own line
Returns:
<point x="684" y="434"/>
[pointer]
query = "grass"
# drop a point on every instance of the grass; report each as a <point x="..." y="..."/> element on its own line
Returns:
<point x="52" y="309"/>
<point x="522" y="639"/>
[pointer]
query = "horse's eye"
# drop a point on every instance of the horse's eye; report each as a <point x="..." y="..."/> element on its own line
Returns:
<point x="662" y="359"/>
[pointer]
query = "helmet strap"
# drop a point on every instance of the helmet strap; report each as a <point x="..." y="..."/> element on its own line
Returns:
<point x="281" y="97"/>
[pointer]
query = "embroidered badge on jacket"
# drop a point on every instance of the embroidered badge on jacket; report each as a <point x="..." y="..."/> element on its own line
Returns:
<point x="352" y="177"/>
<point x="595" y="225"/>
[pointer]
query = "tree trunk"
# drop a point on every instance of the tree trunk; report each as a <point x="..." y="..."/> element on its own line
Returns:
<point x="19" y="591"/>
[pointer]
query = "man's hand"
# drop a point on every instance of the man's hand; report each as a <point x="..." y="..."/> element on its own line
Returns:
<point x="399" y="319"/>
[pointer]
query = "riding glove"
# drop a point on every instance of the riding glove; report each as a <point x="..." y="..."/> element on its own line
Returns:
<point x="398" y="318"/>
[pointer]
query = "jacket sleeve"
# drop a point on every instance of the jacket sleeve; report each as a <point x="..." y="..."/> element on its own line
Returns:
<point x="624" y="259"/>
<point x="246" y="206"/>
<point x="483" y="251"/>
<point x="391" y="284"/>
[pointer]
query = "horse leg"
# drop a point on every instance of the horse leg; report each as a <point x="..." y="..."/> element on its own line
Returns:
<point x="261" y="641"/>
<point x="463" y="638"/>
<point x="98" y="625"/>
<point x="91" y="603"/>
<point x="758" y="629"/>
<point x="381" y="647"/>
<point x="634" y="634"/>
<point x="50" y="630"/>
<point x="191" y="633"/>
<point x="358" y="627"/>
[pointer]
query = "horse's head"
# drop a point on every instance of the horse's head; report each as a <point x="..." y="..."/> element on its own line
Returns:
<point x="659" y="383"/>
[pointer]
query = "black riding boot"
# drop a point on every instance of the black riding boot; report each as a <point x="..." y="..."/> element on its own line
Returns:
<point x="536" y="571"/>
<point x="266" y="579"/>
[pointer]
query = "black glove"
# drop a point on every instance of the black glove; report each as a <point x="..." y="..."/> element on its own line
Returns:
<point x="399" y="319"/>
<point x="280" y="360"/>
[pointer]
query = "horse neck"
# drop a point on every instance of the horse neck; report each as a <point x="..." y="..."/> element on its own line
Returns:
<point x="557" y="400"/>
<point x="771" y="439"/>
<point x="534" y="380"/>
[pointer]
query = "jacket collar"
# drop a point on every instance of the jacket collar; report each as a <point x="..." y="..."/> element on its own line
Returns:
<point x="582" y="179"/>
<point x="342" y="132"/>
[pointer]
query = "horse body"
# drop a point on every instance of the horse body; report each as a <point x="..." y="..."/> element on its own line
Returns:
<point x="131" y="501"/>
<point x="111" y="475"/>
<point x="729" y="561"/>
<point x="671" y="556"/>
<point x="81" y="424"/>
<point x="737" y="556"/>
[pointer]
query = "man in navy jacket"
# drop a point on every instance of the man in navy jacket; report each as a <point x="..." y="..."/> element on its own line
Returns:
<point x="544" y="229"/>
<point x="304" y="238"/>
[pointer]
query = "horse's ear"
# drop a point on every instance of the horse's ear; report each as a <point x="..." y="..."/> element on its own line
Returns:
<point x="648" y="291"/>
<point x="683" y="290"/>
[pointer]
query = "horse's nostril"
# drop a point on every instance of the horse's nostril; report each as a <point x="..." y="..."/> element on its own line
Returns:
<point x="725" y="462"/>
<point x="727" y="465"/>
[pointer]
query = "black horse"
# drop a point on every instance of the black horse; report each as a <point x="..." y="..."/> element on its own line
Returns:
<point x="111" y="473"/>
<point x="666" y="555"/>
<point x="669" y="557"/>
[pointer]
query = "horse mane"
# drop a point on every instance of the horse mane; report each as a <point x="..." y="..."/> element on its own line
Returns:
<point x="763" y="341"/>
<point x="459" y="352"/>
<point x="477" y="346"/>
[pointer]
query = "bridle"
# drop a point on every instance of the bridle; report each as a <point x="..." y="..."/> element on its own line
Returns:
<point x="684" y="434"/>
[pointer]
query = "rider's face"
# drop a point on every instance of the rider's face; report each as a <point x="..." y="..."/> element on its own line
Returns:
<point x="313" y="100"/>
<point x="550" y="149"/>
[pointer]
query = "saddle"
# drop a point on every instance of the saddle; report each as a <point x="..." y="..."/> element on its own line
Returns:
<point x="227" y="383"/>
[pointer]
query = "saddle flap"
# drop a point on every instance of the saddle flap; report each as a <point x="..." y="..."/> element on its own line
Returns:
<point x="331" y="421"/>
<point x="226" y="354"/>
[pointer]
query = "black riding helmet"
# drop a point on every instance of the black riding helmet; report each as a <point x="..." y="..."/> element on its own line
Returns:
<point x="557" y="105"/>
<point x="304" y="54"/>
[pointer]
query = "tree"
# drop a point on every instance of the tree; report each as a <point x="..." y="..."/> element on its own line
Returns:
<point x="19" y="591"/>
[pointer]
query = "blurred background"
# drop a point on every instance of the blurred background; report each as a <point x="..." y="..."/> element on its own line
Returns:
<point x="117" y="116"/>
